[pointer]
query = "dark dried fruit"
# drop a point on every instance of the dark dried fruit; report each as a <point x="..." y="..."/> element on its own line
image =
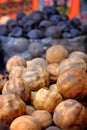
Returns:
<point x="30" y="24"/>
<point x="11" y="24"/>
<point x="64" y="17"/>
<point x="83" y="29"/>
<point x="75" y="22"/>
<point x="3" y="30"/>
<point x="45" y="24"/>
<point x="20" y="23"/>
<point x="37" y="16"/>
<point x="25" y="19"/>
<point x="53" y="32"/>
<point x="66" y="35"/>
<point x="55" y="19"/>
<point x="42" y="24"/>
<point x="68" y="23"/>
<point x="20" y="15"/>
<point x="61" y="25"/>
<point x="50" y="11"/>
<point x="74" y="32"/>
<point x="36" y="49"/>
<point x="35" y="34"/>
<point x="65" y="26"/>
<point x="16" y="32"/>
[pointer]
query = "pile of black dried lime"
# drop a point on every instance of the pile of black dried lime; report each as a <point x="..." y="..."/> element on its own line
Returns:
<point x="41" y="24"/>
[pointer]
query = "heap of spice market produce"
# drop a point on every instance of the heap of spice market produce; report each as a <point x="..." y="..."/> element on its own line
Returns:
<point x="41" y="24"/>
<point x="48" y="92"/>
<point x="45" y="93"/>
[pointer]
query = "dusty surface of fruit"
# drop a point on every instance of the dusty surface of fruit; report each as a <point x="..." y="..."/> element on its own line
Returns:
<point x="11" y="107"/>
<point x="56" y="54"/>
<point x="73" y="84"/>
<point x="50" y="99"/>
<point x="19" y="87"/>
<point x="43" y="117"/>
<point x="23" y="122"/>
<point x="70" y="114"/>
<point x="15" y="61"/>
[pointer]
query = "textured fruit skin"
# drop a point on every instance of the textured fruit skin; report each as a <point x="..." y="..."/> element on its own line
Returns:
<point x="23" y="122"/>
<point x="70" y="63"/>
<point x="56" y="54"/>
<point x="19" y="87"/>
<point x="78" y="54"/>
<point x="46" y="119"/>
<point x="70" y="114"/>
<point x="72" y="84"/>
<point x="54" y="98"/>
<point x="37" y="62"/>
<point x="11" y="104"/>
<point x="36" y="77"/>
<point x="15" y="61"/>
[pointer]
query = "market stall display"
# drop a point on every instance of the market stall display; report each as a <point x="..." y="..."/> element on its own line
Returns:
<point x="43" y="80"/>
<point x="42" y="102"/>
<point x="41" y="24"/>
<point x="30" y="35"/>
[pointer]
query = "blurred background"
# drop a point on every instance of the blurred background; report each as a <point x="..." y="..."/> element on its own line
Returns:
<point x="73" y="8"/>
